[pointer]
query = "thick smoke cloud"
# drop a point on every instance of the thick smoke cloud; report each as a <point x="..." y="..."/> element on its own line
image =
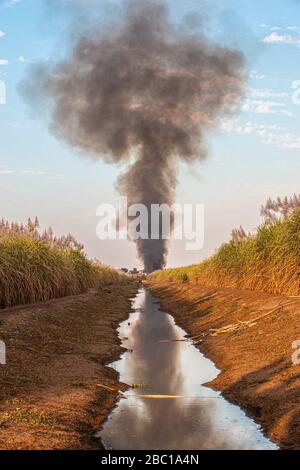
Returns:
<point x="142" y="93"/>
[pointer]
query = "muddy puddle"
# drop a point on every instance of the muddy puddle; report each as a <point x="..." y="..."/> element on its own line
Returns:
<point x="171" y="408"/>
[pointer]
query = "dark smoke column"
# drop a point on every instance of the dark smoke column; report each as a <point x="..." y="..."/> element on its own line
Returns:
<point x="142" y="93"/>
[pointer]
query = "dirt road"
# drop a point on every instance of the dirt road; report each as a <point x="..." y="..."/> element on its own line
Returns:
<point x="56" y="356"/>
<point x="251" y="343"/>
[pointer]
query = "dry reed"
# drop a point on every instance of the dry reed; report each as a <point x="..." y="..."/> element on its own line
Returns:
<point x="35" y="268"/>
<point x="267" y="261"/>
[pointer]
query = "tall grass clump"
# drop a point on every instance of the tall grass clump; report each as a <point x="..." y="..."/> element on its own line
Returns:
<point x="268" y="260"/>
<point x="37" y="267"/>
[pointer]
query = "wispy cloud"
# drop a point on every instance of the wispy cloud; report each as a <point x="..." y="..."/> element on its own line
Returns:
<point x="266" y="107"/>
<point x="24" y="59"/>
<point x="3" y="62"/>
<point x="24" y="172"/>
<point x="276" y="38"/>
<point x="250" y="127"/>
<point x="7" y="172"/>
<point x="266" y="93"/>
<point x="29" y="172"/>
<point x="283" y="140"/>
<point x="268" y="134"/>
<point x="254" y="75"/>
<point x="292" y="28"/>
<point x="266" y="101"/>
<point x="2" y="33"/>
<point x="33" y="172"/>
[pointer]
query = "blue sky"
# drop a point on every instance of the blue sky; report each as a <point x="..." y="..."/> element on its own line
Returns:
<point x="253" y="155"/>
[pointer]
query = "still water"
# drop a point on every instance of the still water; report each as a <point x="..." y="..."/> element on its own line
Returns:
<point x="172" y="409"/>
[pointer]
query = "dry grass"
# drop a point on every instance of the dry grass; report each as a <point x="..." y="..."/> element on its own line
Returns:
<point x="268" y="261"/>
<point x="33" y="270"/>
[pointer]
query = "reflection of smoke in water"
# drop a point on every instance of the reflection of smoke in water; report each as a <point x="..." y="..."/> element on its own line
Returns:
<point x="140" y="92"/>
<point x="200" y="418"/>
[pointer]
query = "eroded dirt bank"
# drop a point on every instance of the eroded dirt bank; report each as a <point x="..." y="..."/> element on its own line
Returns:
<point x="254" y="353"/>
<point x="56" y="356"/>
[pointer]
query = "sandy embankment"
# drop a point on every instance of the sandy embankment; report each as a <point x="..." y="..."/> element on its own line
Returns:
<point x="56" y="356"/>
<point x="255" y="357"/>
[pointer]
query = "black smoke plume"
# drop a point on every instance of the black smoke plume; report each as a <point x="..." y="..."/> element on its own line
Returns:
<point x="141" y="92"/>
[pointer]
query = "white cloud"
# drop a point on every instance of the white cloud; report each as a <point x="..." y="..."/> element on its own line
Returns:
<point x="292" y="142"/>
<point x="3" y="62"/>
<point x="293" y="28"/>
<point x="279" y="80"/>
<point x="281" y="28"/>
<point x="250" y="127"/>
<point x="283" y="140"/>
<point x="2" y="33"/>
<point x="23" y="59"/>
<point x="256" y="76"/>
<point x="33" y="172"/>
<point x="266" y="101"/>
<point x="25" y="172"/>
<point x="276" y="38"/>
<point x="7" y="172"/>
<point x="266" y="93"/>
<point x="276" y="28"/>
<point x="268" y="134"/>
<point x="266" y="107"/>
